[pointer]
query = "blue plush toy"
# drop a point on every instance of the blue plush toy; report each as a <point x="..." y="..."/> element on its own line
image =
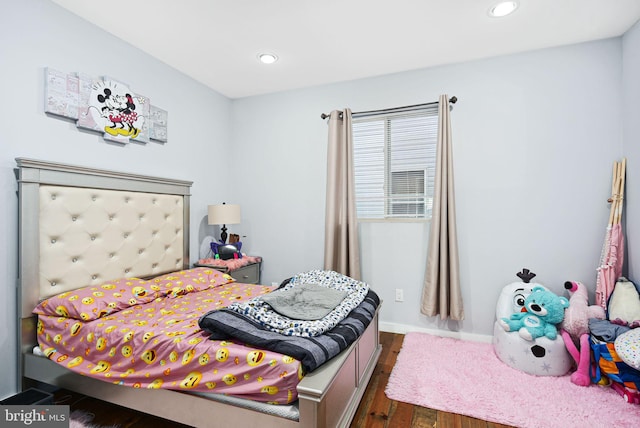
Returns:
<point x="541" y="312"/>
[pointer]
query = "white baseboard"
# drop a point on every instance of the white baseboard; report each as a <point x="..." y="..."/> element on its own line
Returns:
<point x="404" y="329"/>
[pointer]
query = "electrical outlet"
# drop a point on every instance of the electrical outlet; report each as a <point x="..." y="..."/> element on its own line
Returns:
<point x="399" y="295"/>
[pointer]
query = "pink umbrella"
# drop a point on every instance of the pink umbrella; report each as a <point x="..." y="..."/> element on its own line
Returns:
<point x="612" y="256"/>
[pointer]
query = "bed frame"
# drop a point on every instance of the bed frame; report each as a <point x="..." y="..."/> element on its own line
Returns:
<point x="81" y="226"/>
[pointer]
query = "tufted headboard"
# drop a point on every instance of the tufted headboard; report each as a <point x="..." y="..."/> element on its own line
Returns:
<point x="81" y="226"/>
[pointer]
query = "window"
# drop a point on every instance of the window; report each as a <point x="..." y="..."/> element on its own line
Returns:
<point x="394" y="163"/>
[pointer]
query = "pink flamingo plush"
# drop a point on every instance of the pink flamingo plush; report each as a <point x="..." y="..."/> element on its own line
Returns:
<point x="575" y="329"/>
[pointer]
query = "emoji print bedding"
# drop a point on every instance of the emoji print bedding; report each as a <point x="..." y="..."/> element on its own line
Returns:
<point x="145" y="334"/>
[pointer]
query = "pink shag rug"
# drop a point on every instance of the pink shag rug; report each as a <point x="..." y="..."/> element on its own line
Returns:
<point x="468" y="378"/>
<point x="82" y="419"/>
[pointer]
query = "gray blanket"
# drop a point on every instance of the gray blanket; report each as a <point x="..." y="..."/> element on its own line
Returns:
<point x="305" y="301"/>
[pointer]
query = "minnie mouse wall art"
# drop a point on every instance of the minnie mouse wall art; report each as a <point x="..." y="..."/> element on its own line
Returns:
<point x="104" y="105"/>
<point x="114" y="110"/>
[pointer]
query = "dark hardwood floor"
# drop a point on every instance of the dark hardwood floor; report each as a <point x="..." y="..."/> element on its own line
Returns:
<point x="375" y="409"/>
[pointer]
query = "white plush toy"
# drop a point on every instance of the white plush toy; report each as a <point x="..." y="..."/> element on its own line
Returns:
<point x="540" y="357"/>
<point x="624" y="304"/>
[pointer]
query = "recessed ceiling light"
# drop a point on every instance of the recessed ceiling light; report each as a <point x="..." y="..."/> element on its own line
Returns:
<point x="503" y="9"/>
<point x="267" y="58"/>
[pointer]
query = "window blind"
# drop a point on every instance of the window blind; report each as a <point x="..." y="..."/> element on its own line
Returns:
<point x="394" y="163"/>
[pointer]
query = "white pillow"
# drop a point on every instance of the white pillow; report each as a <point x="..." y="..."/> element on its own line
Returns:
<point x="627" y="347"/>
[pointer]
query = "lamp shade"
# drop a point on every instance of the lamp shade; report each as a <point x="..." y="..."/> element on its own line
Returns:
<point x="224" y="214"/>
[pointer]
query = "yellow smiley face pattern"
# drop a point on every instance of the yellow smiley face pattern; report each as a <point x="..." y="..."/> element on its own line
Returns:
<point x="159" y="344"/>
<point x="98" y="301"/>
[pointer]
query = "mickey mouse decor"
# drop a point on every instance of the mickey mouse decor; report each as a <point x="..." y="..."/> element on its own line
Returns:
<point x="104" y="105"/>
<point x="117" y="112"/>
<point x="114" y="109"/>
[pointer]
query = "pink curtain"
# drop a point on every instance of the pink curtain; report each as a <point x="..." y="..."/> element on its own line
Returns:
<point x="341" y="248"/>
<point x="441" y="292"/>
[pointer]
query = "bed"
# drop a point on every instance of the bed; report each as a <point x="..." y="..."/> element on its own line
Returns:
<point x="138" y="226"/>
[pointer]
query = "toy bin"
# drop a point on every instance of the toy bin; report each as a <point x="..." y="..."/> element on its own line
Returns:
<point x="610" y="369"/>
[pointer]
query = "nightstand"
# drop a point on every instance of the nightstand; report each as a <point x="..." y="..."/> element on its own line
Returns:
<point x="247" y="274"/>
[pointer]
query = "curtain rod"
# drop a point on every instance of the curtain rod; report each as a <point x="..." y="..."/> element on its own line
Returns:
<point x="452" y="100"/>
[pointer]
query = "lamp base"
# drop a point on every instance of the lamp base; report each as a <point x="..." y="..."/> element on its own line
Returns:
<point x="223" y="234"/>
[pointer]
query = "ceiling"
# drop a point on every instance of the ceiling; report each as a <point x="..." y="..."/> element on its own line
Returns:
<point x="216" y="42"/>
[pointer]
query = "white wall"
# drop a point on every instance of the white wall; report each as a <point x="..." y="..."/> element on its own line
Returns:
<point x="631" y="139"/>
<point x="535" y="136"/>
<point x="36" y="34"/>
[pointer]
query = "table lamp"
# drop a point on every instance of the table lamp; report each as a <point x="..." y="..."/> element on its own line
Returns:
<point x="224" y="214"/>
